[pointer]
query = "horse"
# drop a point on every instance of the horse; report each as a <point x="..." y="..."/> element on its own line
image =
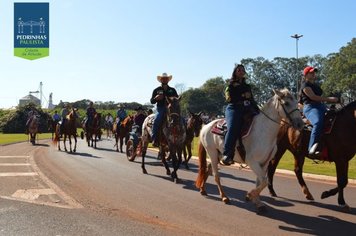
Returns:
<point x="172" y="137"/>
<point x="260" y="144"/>
<point x="69" y="129"/>
<point x="52" y="124"/>
<point x="93" y="130"/>
<point x="33" y="129"/>
<point x="339" y="147"/>
<point x="122" y="131"/>
<point x="194" y="125"/>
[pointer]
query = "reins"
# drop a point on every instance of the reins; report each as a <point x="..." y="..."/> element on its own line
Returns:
<point x="285" y="111"/>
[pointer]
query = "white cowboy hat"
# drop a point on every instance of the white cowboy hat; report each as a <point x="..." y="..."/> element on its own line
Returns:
<point x="119" y="105"/>
<point x="164" y="75"/>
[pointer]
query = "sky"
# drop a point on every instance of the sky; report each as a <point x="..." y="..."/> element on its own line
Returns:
<point x="113" y="50"/>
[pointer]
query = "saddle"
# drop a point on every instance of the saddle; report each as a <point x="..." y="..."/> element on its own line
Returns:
<point x="221" y="128"/>
<point x="329" y="120"/>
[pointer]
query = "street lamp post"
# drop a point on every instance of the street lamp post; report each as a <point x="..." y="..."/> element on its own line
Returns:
<point x="296" y="37"/>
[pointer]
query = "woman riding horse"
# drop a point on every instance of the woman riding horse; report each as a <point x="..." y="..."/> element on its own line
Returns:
<point x="339" y="147"/>
<point x="260" y="144"/>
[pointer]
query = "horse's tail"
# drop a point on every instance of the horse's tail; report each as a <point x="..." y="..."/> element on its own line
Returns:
<point x="56" y="136"/>
<point x="202" y="166"/>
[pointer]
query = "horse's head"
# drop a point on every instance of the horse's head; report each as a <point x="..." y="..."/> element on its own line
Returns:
<point x="195" y="122"/>
<point x="173" y="110"/>
<point x="286" y="105"/>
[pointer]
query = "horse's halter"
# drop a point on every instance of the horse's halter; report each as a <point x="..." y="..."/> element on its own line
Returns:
<point x="288" y="114"/>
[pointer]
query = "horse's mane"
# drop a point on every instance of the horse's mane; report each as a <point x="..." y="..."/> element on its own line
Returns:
<point x="124" y="122"/>
<point x="351" y="105"/>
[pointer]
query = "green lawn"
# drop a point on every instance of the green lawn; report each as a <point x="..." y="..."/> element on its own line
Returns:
<point x="287" y="162"/>
<point x="13" y="138"/>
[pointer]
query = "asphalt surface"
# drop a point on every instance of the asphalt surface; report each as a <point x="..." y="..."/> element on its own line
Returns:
<point x="99" y="192"/>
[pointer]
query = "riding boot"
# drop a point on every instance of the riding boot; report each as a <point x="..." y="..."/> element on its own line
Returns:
<point x="315" y="152"/>
<point x="227" y="160"/>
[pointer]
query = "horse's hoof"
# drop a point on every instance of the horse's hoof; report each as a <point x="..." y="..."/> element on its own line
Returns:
<point x="177" y="180"/>
<point x="203" y="193"/>
<point x="168" y="172"/>
<point x="273" y="193"/>
<point x="144" y="171"/>
<point x="226" y="200"/>
<point x="248" y="197"/>
<point x="345" y="208"/>
<point x="309" y="197"/>
<point x="324" y="195"/>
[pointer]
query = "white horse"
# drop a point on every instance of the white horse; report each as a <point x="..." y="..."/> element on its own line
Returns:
<point x="260" y="144"/>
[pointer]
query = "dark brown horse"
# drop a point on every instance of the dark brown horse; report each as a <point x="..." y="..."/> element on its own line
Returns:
<point x="122" y="131"/>
<point x="52" y="124"/>
<point x="93" y="130"/>
<point x="172" y="137"/>
<point x="339" y="147"/>
<point x="69" y="129"/>
<point x="194" y="125"/>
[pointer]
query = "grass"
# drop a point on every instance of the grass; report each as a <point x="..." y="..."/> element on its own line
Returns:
<point x="287" y="163"/>
<point x="14" y="138"/>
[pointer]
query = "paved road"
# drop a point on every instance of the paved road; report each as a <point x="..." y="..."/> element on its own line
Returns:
<point x="98" y="192"/>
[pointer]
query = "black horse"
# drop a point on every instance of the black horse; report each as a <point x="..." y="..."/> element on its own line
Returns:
<point x="339" y="147"/>
<point x="194" y="125"/>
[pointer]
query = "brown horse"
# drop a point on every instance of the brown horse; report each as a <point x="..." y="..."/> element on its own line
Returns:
<point x="194" y="125"/>
<point x="52" y="124"/>
<point x="33" y="129"/>
<point x="172" y="137"/>
<point x="69" y="129"/>
<point x="122" y="131"/>
<point x="93" y="130"/>
<point x="339" y="147"/>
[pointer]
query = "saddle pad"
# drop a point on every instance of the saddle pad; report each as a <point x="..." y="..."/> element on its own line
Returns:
<point x="220" y="128"/>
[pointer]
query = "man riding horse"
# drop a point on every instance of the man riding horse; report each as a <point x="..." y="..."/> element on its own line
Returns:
<point x="159" y="96"/>
<point x="30" y="116"/>
<point x="90" y="115"/>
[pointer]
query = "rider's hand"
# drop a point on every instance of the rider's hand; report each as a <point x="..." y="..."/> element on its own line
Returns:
<point x="159" y="97"/>
<point x="333" y="99"/>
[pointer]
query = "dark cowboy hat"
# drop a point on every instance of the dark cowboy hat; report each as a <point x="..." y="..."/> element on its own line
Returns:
<point x="139" y="108"/>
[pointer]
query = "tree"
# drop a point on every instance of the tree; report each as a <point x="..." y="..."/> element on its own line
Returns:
<point x="341" y="71"/>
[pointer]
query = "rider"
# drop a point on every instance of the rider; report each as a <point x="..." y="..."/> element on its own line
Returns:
<point x="30" y="116"/>
<point x="121" y="114"/>
<point x="139" y="118"/>
<point x="90" y="114"/>
<point x="314" y="109"/>
<point x="159" y="96"/>
<point x="239" y="97"/>
<point x="56" y="117"/>
<point x="65" y="111"/>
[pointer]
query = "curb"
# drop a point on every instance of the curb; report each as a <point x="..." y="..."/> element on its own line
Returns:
<point x="287" y="172"/>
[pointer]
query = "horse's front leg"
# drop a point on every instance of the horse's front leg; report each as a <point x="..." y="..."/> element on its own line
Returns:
<point x="64" y="142"/>
<point x="75" y="143"/>
<point x="162" y="153"/>
<point x="70" y="143"/>
<point x="144" y="150"/>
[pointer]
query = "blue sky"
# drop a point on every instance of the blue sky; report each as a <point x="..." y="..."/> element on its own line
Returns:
<point x="112" y="50"/>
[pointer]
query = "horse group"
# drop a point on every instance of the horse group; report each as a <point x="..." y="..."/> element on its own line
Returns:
<point x="277" y="128"/>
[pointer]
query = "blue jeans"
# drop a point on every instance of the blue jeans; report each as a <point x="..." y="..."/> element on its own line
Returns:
<point x="234" y="120"/>
<point x="161" y="112"/>
<point x="315" y="114"/>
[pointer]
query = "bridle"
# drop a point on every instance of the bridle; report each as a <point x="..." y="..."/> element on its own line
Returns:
<point x="288" y="114"/>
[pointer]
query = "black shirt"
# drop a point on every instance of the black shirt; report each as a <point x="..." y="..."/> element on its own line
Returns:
<point x="169" y="92"/>
<point x="237" y="93"/>
<point x="316" y="89"/>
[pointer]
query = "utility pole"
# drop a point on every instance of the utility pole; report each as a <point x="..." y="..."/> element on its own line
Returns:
<point x="296" y="37"/>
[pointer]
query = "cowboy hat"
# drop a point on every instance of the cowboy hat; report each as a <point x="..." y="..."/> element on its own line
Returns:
<point x="164" y="75"/>
<point x="119" y="105"/>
